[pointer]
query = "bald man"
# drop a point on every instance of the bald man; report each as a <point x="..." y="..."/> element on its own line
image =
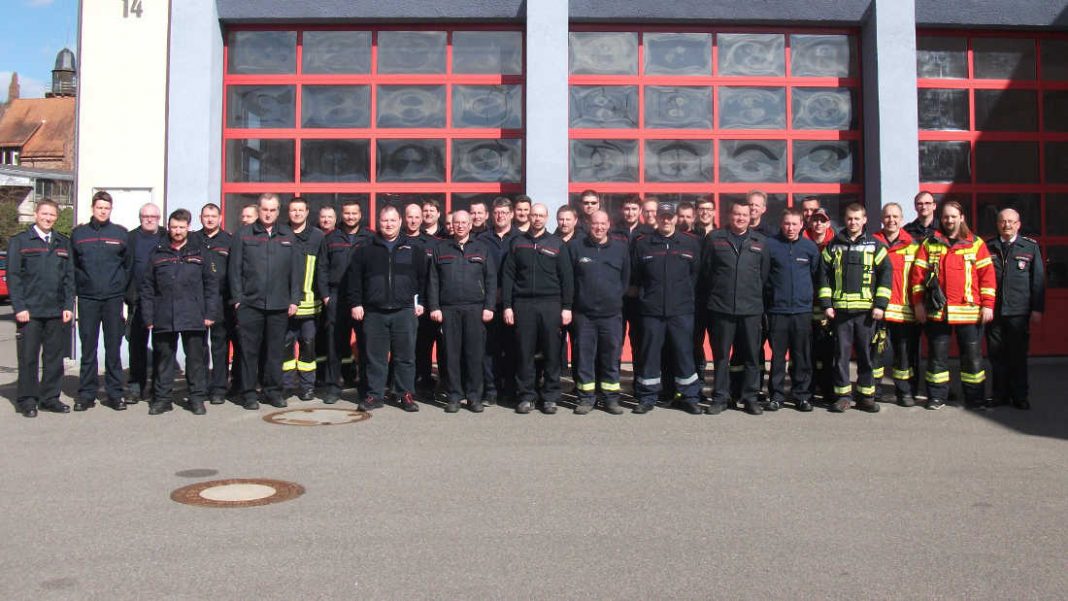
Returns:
<point x="537" y="288"/>
<point x="1021" y="299"/>
<point x="143" y="240"/>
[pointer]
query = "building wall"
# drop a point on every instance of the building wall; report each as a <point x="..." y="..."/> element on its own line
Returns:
<point x="128" y="140"/>
<point x="122" y="107"/>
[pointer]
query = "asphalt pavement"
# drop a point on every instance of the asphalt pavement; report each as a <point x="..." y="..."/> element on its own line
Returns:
<point x="904" y="504"/>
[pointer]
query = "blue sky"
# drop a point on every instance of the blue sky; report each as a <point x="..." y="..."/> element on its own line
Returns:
<point x="31" y="33"/>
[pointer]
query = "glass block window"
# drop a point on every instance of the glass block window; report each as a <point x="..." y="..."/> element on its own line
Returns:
<point x="389" y="115"/>
<point x="689" y="113"/>
<point x="993" y="116"/>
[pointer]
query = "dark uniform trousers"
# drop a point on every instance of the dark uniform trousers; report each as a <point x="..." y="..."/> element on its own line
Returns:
<point x="905" y="346"/>
<point x="498" y="365"/>
<point x="340" y="362"/>
<point x="219" y="337"/>
<point x="737" y="366"/>
<point x="700" y="332"/>
<point x="790" y="333"/>
<point x="261" y="331"/>
<point x="464" y="340"/>
<point x="390" y="334"/>
<point x="93" y="313"/>
<point x="137" y="336"/>
<point x="164" y="350"/>
<point x="677" y="331"/>
<point x="1008" y="340"/>
<point x="537" y="328"/>
<point x="972" y="375"/>
<point x="428" y="334"/>
<point x="40" y="341"/>
<point x="598" y="343"/>
<point x="852" y="334"/>
<point x="742" y="332"/>
<point x="299" y="372"/>
<point x="822" y="359"/>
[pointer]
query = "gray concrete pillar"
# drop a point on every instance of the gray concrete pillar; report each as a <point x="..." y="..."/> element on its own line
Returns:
<point x="194" y="116"/>
<point x="546" y="118"/>
<point x="891" y="154"/>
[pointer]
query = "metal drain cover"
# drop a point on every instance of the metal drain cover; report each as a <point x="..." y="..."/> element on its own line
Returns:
<point x="237" y="492"/>
<point x="316" y="416"/>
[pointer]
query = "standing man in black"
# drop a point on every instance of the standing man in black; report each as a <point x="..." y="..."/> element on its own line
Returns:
<point x="736" y="266"/>
<point x="179" y="295"/>
<point x="265" y="272"/>
<point x="335" y="256"/>
<point x="498" y="366"/>
<point x="461" y="296"/>
<point x="216" y="243"/>
<point x="602" y="275"/>
<point x="40" y="283"/>
<point x="789" y="294"/>
<point x="298" y="367"/>
<point x="664" y="270"/>
<point x="143" y="240"/>
<point x="925" y="223"/>
<point x="1021" y="299"/>
<point x="538" y="289"/>
<point x="102" y="264"/>
<point x="386" y="279"/>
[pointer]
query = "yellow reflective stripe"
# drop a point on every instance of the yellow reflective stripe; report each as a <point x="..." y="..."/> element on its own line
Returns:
<point x="917" y="288"/>
<point x="309" y="273"/>
<point x="866" y="390"/>
<point x="843" y="389"/>
<point x="824" y="293"/>
<point x="941" y="377"/>
<point x="976" y="378"/>
<point x="903" y="374"/>
<point x="922" y="263"/>
<point x="878" y="373"/>
<point x="306" y="365"/>
<point x="348" y="359"/>
<point x="959" y="314"/>
<point x="882" y="292"/>
<point x="320" y="359"/>
<point x="984" y="262"/>
<point x="585" y="386"/>
<point x="853" y="305"/>
<point x="968" y="296"/>
<point x="610" y="386"/>
<point x="987" y="291"/>
<point x="289" y="365"/>
<point x="880" y="255"/>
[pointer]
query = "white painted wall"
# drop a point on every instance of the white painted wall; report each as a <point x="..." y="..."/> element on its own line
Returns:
<point x="122" y="105"/>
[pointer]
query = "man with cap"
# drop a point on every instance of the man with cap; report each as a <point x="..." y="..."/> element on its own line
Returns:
<point x="665" y="267"/>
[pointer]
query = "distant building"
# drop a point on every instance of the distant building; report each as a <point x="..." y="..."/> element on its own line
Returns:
<point x="37" y="141"/>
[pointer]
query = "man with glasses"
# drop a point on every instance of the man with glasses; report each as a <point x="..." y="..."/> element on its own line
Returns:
<point x="498" y="375"/>
<point x="924" y="225"/>
<point x="706" y="217"/>
<point x="590" y="203"/>
<point x="143" y="240"/>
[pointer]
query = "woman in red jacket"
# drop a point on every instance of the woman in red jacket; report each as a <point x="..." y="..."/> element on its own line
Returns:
<point x="965" y="274"/>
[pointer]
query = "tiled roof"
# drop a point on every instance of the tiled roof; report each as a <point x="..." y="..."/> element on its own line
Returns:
<point x="40" y="126"/>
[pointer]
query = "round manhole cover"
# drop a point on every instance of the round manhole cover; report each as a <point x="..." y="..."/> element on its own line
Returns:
<point x="320" y="416"/>
<point x="240" y="492"/>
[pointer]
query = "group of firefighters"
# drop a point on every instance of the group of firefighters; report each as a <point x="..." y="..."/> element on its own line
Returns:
<point x="510" y="306"/>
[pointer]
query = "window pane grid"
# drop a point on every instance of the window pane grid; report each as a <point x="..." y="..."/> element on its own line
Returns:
<point x="1015" y="156"/>
<point x="750" y="127"/>
<point x="355" y="115"/>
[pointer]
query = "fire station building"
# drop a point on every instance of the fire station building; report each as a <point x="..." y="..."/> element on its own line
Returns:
<point x="194" y="101"/>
